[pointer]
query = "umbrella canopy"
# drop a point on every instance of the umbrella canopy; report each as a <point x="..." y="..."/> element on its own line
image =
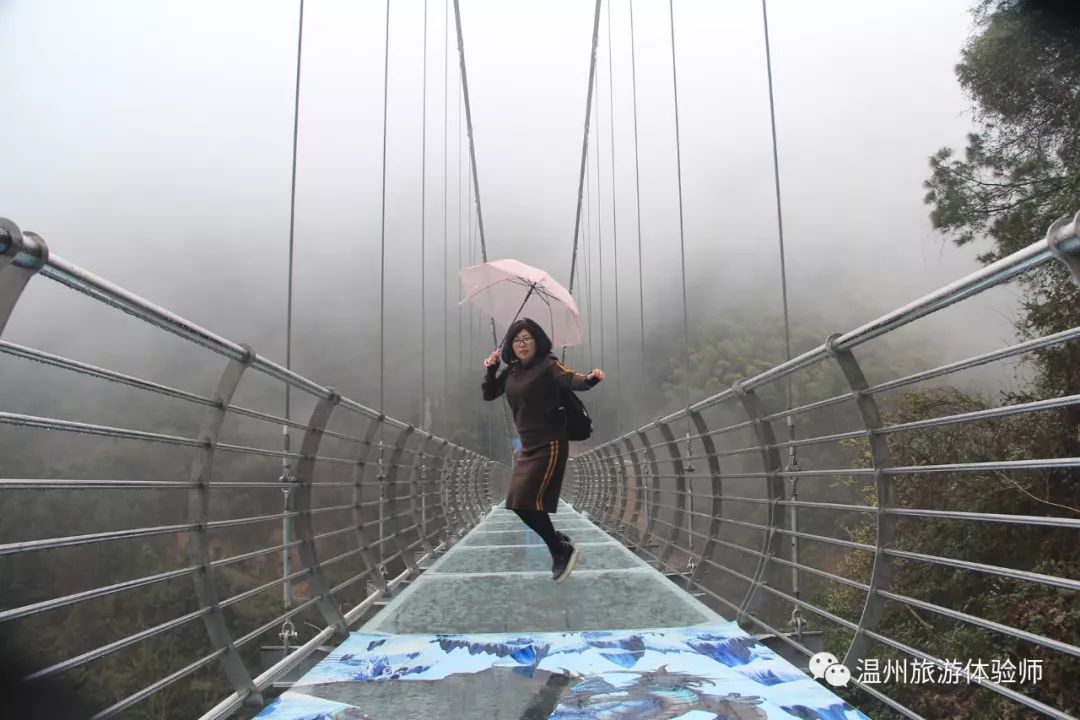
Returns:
<point x="509" y="289"/>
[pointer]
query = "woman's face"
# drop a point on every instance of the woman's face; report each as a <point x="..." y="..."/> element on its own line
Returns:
<point x="524" y="346"/>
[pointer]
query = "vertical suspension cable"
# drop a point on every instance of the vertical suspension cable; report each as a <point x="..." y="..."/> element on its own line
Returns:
<point x="382" y="291"/>
<point x="585" y="143"/>
<point x="446" y="189"/>
<point x="423" y="240"/>
<point x="469" y="261"/>
<point x="637" y="186"/>
<point x="779" y="213"/>
<point x="584" y="155"/>
<point x="682" y="257"/>
<point x="474" y="322"/>
<point x="588" y="253"/>
<point x="614" y="223"/>
<point x="472" y="143"/>
<point x="286" y="523"/>
<point x="464" y="78"/>
<point x="586" y="291"/>
<point x="472" y="151"/>
<point x="599" y="222"/>
<point x="469" y="349"/>
<point x="382" y="232"/>
<point x="461" y="364"/>
<point x="682" y="235"/>
<point x="793" y="463"/>
<point x="475" y="182"/>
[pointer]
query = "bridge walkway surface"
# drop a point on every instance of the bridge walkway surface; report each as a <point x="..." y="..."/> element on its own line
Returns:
<point x="486" y="633"/>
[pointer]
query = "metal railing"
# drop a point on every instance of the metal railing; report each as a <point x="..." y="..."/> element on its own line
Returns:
<point x="715" y="506"/>
<point x="375" y="508"/>
<point x="371" y="498"/>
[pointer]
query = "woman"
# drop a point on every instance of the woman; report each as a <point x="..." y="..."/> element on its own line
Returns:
<point x="530" y="383"/>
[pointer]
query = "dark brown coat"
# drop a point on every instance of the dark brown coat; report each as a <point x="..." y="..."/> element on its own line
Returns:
<point x="537" y="477"/>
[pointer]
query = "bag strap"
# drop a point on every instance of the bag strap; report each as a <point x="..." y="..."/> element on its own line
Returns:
<point x="558" y="395"/>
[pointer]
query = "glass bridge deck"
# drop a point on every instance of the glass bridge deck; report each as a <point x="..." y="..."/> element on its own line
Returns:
<point x="485" y="633"/>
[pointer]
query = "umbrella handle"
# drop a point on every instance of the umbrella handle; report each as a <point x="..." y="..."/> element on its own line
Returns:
<point x="532" y="286"/>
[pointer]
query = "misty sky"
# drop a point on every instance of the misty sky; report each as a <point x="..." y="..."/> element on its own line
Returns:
<point x="151" y="143"/>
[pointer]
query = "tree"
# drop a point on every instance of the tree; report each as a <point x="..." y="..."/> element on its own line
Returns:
<point x="1021" y="168"/>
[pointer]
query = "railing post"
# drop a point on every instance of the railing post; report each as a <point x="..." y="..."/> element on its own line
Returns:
<point x="305" y="472"/>
<point x="622" y="498"/>
<point x="480" y="492"/>
<point x="464" y="487"/>
<point x="483" y="481"/>
<point x="617" y="480"/>
<point x="581" y="472"/>
<point x="716" y="488"/>
<point x="639" y="487"/>
<point x="451" y="499"/>
<point x="573" y="468"/>
<point x="680" y="490"/>
<point x="596" y="484"/>
<point x="588" y="481"/>
<point x="651" y="478"/>
<point x="1063" y="239"/>
<point x="774" y="488"/>
<point x="881" y="574"/>
<point x="461" y="474"/>
<point x="475" y="485"/>
<point x="21" y="256"/>
<point x="602" y="487"/>
<point x="484" y="488"/>
<point x="438" y="489"/>
<point x="363" y="454"/>
<point x="436" y="474"/>
<point x="202" y="468"/>
<point x="445" y="462"/>
<point x="391" y="482"/>
<point x="419" y="467"/>
<point x="489" y="495"/>
<point x="617" y="493"/>
<point x="461" y="471"/>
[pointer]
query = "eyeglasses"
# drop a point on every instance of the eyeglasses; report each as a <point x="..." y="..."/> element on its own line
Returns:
<point x="523" y="340"/>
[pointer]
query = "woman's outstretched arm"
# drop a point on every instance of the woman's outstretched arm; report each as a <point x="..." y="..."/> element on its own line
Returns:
<point x="493" y="385"/>
<point x="567" y="378"/>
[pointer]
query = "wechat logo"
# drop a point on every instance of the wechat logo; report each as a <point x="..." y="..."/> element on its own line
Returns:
<point x="825" y="665"/>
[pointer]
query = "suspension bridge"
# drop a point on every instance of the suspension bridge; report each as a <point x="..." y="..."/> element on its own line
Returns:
<point x="392" y="584"/>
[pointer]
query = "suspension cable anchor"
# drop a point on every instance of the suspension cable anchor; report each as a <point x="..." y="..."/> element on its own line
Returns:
<point x="287" y="634"/>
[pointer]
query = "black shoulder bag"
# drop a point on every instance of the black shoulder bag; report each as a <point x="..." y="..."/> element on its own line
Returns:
<point x="569" y="413"/>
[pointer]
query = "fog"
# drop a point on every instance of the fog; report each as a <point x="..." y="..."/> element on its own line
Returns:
<point x="151" y="143"/>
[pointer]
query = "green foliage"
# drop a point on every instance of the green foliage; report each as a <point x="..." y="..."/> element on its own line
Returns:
<point x="1031" y="607"/>
<point x="744" y="343"/>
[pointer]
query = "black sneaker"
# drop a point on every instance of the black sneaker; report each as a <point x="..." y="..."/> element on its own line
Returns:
<point x="564" y="537"/>
<point x="563" y="563"/>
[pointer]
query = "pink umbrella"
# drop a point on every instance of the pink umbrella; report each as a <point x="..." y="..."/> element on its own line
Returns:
<point x="508" y="289"/>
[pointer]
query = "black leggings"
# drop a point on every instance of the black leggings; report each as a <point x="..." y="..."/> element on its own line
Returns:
<point x="540" y="522"/>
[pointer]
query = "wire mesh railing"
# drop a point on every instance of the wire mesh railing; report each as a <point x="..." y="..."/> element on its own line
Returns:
<point x="107" y="579"/>
<point x="886" y="559"/>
